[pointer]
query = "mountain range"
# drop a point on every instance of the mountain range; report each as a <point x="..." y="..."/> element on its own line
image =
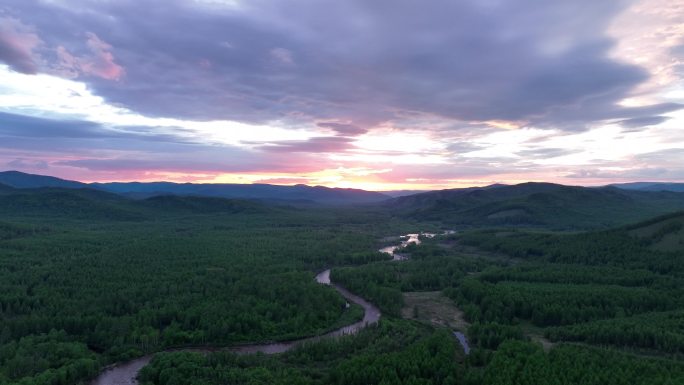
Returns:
<point x="651" y="186"/>
<point x="528" y="204"/>
<point x="538" y="204"/>
<point x="265" y="192"/>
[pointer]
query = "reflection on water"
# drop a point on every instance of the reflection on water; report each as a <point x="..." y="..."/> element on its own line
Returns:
<point x="394" y="251"/>
<point x="123" y="374"/>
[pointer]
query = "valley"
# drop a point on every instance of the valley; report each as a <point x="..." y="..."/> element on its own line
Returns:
<point x="341" y="192"/>
<point x="102" y="289"/>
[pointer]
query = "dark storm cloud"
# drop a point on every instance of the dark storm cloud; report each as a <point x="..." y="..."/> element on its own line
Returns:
<point x="545" y="62"/>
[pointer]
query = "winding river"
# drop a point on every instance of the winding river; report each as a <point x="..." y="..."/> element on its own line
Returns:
<point x="125" y="373"/>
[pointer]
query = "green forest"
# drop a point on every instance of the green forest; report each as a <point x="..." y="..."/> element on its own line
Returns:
<point x="84" y="291"/>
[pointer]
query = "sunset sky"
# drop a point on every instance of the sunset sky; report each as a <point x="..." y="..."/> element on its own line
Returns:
<point x="374" y="94"/>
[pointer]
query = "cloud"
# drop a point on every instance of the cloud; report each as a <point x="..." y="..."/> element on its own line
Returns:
<point x="351" y="61"/>
<point x="344" y="129"/>
<point x="17" y="43"/>
<point x="98" y="62"/>
<point x="95" y="147"/>
<point x="24" y="51"/>
<point x="636" y="173"/>
<point x="283" y="56"/>
<point x="197" y="159"/>
<point x="546" y="153"/>
<point x="300" y="180"/>
<point x="662" y="165"/>
<point x="673" y="156"/>
<point x="450" y="91"/>
<point x="101" y="62"/>
<point x="131" y="150"/>
<point x="19" y="126"/>
<point x="24" y="164"/>
<point x="312" y="145"/>
<point x="16" y="125"/>
<point x="643" y="121"/>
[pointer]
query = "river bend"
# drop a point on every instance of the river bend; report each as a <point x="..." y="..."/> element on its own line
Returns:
<point x="126" y="373"/>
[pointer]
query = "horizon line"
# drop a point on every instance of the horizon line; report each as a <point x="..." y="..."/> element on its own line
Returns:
<point x="492" y="183"/>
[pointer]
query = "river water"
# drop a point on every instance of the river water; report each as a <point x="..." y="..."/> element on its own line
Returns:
<point x="463" y="340"/>
<point x="125" y="373"/>
<point x="405" y="241"/>
<point x="397" y="255"/>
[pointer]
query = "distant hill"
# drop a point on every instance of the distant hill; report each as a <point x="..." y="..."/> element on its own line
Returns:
<point x="55" y="202"/>
<point x="537" y="204"/>
<point x="22" y="180"/>
<point x="651" y="186"/>
<point x="5" y="189"/>
<point x="665" y="233"/>
<point x="91" y="204"/>
<point x="265" y="192"/>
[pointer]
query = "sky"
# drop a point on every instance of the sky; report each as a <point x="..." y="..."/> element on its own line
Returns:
<point x="372" y="94"/>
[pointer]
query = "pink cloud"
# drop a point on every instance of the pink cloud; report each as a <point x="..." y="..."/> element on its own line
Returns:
<point x="17" y="44"/>
<point x="99" y="62"/>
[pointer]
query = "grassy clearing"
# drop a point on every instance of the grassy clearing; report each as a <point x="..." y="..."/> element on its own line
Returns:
<point x="434" y="308"/>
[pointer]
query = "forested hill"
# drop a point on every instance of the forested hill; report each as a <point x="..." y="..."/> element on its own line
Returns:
<point x="18" y="179"/>
<point x="538" y="204"/>
<point x="4" y="189"/>
<point x="651" y="186"/>
<point x="90" y="204"/>
<point x="265" y="192"/>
